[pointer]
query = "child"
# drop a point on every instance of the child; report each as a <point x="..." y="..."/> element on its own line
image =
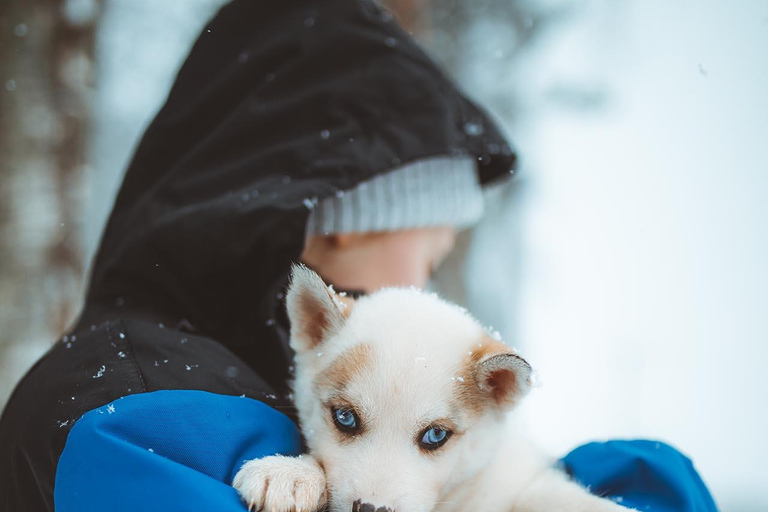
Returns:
<point x="296" y="131"/>
<point x="302" y="130"/>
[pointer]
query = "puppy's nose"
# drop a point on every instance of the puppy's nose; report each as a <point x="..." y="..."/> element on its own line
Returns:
<point x="367" y="507"/>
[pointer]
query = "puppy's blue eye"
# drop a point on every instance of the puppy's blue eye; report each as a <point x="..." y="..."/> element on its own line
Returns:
<point x="434" y="438"/>
<point x="345" y="419"/>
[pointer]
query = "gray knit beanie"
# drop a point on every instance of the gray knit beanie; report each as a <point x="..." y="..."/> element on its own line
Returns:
<point x="436" y="191"/>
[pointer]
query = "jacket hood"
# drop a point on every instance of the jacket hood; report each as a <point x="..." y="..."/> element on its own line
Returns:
<point x="279" y="104"/>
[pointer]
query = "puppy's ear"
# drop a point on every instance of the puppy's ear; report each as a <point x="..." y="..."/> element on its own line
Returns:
<point x="314" y="311"/>
<point x="501" y="374"/>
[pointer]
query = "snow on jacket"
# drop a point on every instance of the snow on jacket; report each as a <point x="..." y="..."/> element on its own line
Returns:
<point x="177" y="370"/>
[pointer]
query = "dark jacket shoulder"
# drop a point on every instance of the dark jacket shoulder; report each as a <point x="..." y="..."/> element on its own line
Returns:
<point x="93" y="367"/>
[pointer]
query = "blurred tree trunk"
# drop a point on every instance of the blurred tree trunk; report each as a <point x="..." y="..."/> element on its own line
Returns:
<point x="46" y="55"/>
<point x="412" y="15"/>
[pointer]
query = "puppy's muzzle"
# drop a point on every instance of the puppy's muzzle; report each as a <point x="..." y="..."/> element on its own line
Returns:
<point x="367" y="507"/>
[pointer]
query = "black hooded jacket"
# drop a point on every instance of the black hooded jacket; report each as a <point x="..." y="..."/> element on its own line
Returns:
<point x="279" y="104"/>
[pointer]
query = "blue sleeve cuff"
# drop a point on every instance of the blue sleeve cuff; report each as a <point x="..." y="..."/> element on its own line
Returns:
<point x="167" y="450"/>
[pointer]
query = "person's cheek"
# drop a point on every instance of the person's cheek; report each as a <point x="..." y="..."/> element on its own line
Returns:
<point x="441" y="244"/>
<point x="448" y="242"/>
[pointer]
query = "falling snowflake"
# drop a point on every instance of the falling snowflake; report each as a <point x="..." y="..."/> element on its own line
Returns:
<point x="473" y="129"/>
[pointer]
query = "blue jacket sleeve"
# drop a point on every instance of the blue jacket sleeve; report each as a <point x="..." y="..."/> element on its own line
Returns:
<point x="167" y="450"/>
<point x="644" y="475"/>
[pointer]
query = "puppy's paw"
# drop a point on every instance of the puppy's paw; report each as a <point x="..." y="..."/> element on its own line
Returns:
<point x="282" y="484"/>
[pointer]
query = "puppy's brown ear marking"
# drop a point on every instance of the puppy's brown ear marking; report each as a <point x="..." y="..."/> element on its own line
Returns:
<point x="312" y="309"/>
<point x="501" y="374"/>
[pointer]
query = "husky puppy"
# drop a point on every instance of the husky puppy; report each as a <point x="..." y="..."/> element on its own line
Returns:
<point x="407" y="405"/>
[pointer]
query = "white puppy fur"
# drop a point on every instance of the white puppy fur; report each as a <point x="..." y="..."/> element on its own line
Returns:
<point x="408" y="405"/>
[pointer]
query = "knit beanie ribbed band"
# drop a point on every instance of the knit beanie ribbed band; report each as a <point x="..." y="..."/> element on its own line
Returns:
<point x="436" y="191"/>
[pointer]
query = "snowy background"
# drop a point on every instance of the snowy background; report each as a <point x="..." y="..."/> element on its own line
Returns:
<point x="627" y="261"/>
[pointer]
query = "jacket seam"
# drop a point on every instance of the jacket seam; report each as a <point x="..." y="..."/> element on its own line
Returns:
<point x="131" y="354"/>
